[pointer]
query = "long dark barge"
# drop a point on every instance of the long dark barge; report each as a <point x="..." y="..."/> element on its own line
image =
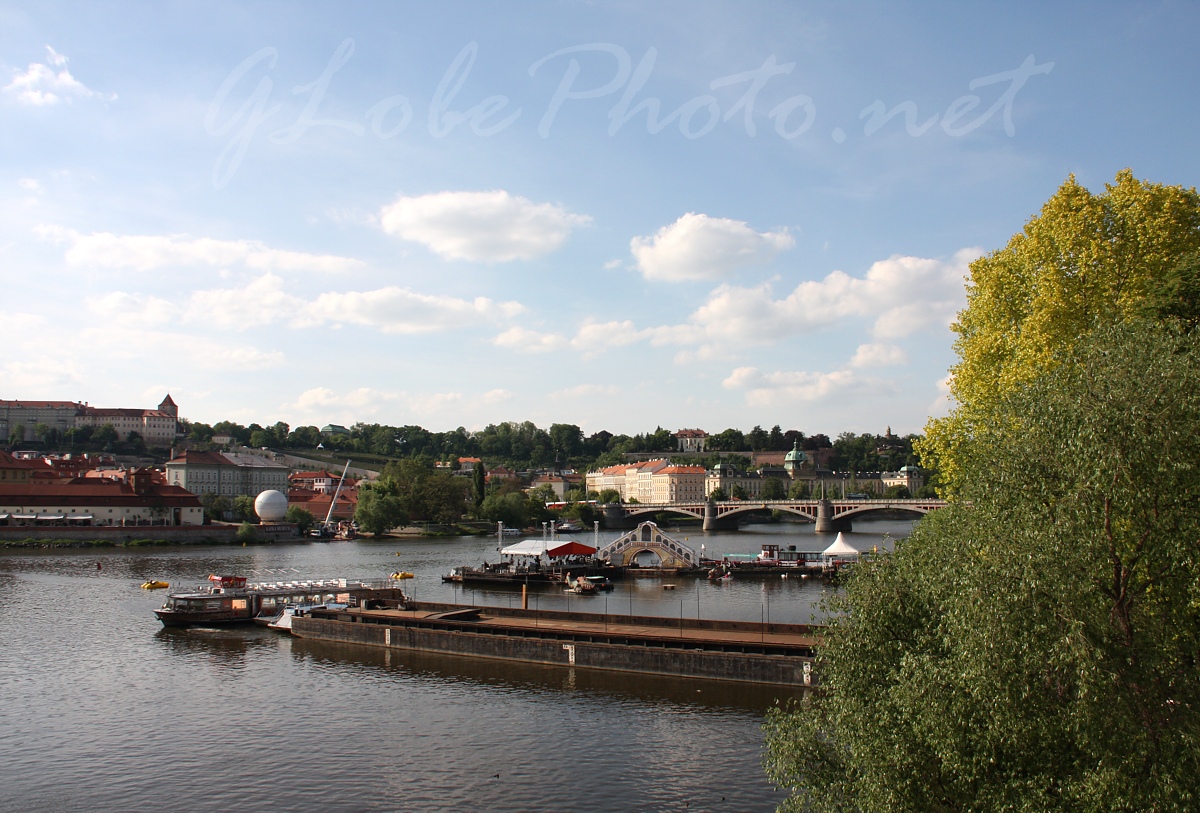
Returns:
<point x="779" y="654"/>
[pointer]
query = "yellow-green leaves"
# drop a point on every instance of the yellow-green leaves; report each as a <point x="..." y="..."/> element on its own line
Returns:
<point x="1084" y="261"/>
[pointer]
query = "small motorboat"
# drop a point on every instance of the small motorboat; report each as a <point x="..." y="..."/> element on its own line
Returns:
<point x="283" y="619"/>
<point x="601" y="582"/>
<point x="155" y="585"/>
<point x="402" y="574"/>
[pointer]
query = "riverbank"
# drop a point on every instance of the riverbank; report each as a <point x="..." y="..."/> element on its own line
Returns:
<point x="123" y="536"/>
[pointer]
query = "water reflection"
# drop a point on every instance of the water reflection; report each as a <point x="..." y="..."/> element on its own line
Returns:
<point x="545" y="678"/>
<point x="106" y="710"/>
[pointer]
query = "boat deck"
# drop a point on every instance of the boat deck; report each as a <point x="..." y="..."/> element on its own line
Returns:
<point x="615" y="626"/>
<point x="725" y="650"/>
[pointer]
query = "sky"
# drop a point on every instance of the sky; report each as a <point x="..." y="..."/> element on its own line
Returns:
<point x="617" y="215"/>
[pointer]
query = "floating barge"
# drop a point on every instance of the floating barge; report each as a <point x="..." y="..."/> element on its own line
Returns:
<point x="780" y="654"/>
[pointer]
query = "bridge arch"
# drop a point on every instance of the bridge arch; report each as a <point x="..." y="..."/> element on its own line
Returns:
<point x="648" y="537"/>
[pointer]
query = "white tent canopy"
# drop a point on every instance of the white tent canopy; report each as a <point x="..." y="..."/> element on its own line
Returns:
<point x="526" y="547"/>
<point x="840" y="547"/>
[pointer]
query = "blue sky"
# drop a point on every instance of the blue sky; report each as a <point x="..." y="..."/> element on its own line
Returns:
<point x="617" y="215"/>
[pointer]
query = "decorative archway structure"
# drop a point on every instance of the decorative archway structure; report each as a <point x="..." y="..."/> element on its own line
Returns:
<point x="647" y="537"/>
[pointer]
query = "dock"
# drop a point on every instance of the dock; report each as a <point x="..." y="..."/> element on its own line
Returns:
<point x="745" y="651"/>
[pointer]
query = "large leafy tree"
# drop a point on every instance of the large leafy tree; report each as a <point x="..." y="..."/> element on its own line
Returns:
<point x="1085" y="260"/>
<point x="1034" y="646"/>
<point x="379" y="508"/>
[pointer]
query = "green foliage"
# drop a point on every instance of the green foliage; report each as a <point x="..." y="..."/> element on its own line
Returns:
<point x="774" y="489"/>
<point x="105" y="433"/>
<point x="479" y="483"/>
<point x="718" y="495"/>
<point x="609" y="495"/>
<point x="301" y="518"/>
<point x="379" y="507"/>
<point x="543" y="494"/>
<point x="216" y="506"/>
<point x="513" y="509"/>
<point x="246" y="533"/>
<point x="1085" y="261"/>
<point x="425" y="494"/>
<point x="1034" y="646"/>
<point x="243" y="508"/>
<point x="800" y="490"/>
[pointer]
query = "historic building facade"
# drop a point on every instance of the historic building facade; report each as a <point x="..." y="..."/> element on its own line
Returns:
<point x="157" y="427"/>
<point x="136" y="500"/>
<point x="226" y="475"/>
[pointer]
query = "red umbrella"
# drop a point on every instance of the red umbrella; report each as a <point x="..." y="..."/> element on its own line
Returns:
<point x="571" y="549"/>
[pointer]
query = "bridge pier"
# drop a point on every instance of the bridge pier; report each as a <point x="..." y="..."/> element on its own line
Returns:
<point x="616" y="519"/>
<point x="827" y="523"/>
<point x="713" y="522"/>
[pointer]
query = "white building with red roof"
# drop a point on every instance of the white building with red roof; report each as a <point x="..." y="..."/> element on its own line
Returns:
<point x="691" y="440"/>
<point x="137" y="500"/>
<point x="157" y="427"/>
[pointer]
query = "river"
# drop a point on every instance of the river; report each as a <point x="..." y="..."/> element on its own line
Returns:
<point x="105" y="710"/>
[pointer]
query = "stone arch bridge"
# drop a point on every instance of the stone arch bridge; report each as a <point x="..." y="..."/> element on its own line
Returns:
<point x="671" y="553"/>
<point x="830" y="516"/>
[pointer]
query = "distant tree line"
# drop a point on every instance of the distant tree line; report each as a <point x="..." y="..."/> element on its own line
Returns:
<point x="523" y="445"/>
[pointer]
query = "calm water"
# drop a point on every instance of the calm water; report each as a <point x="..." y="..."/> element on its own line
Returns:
<point x="102" y="709"/>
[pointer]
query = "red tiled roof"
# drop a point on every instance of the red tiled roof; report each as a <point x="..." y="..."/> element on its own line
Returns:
<point x="7" y="461"/>
<point x="42" y="404"/>
<point x="201" y="458"/>
<point x="96" y="493"/>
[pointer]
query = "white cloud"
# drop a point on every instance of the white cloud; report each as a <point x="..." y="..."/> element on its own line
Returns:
<point x="780" y="388"/>
<point x="153" y="252"/>
<point x="902" y="295"/>
<point x="585" y="391"/>
<point x="121" y="343"/>
<point x="30" y="184"/>
<point x="262" y="301"/>
<point x="591" y="338"/>
<point x="47" y="83"/>
<point x="529" y="341"/>
<point x="133" y="309"/>
<point x="699" y="247"/>
<point x="481" y="226"/>
<point x="878" y="355"/>
<point x="498" y="396"/>
<point x="596" y="336"/>
<point x="354" y="401"/>
<point x="401" y="311"/>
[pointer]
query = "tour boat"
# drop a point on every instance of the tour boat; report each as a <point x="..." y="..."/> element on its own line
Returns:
<point x="231" y="600"/>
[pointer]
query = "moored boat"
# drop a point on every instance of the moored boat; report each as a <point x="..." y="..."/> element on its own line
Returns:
<point x="231" y="600"/>
<point x="283" y="619"/>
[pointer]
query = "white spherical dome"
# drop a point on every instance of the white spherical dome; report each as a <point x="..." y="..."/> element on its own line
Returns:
<point x="271" y="506"/>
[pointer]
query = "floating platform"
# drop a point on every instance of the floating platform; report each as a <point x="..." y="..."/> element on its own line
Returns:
<point x="780" y="654"/>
